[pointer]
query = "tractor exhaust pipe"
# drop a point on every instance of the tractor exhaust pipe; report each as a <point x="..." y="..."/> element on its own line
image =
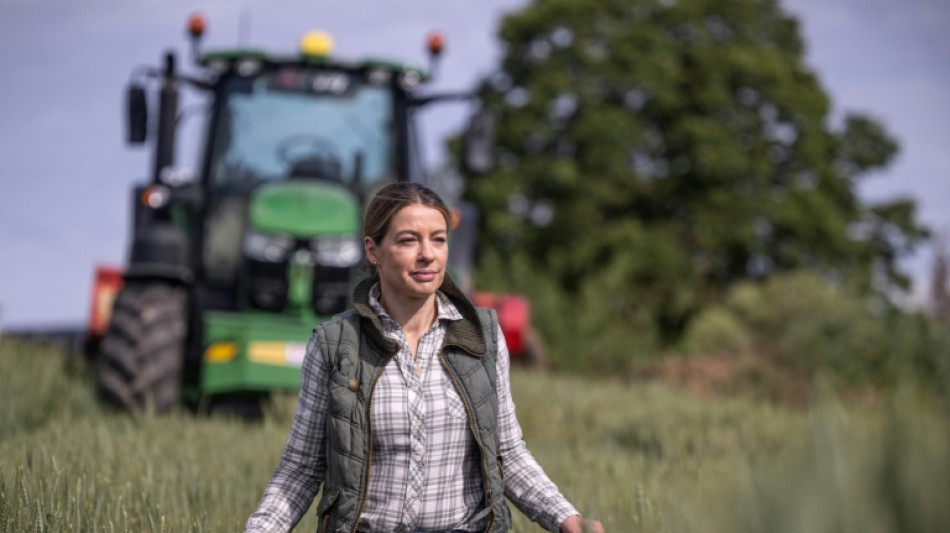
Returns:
<point x="167" y="114"/>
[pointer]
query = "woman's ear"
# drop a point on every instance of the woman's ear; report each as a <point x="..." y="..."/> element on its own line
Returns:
<point x="369" y="246"/>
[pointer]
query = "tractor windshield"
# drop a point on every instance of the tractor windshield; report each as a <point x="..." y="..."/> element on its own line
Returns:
<point x="307" y="124"/>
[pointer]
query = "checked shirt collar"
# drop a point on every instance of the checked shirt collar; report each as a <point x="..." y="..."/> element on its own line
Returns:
<point x="445" y="310"/>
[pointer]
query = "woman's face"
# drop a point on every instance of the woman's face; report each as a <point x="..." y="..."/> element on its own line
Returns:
<point x="412" y="256"/>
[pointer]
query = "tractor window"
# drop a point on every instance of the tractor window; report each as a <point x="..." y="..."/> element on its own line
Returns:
<point x="269" y="131"/>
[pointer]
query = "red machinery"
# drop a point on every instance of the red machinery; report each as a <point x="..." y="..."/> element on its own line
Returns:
<point x="108" y="281"/>
<point x="514" y="317"/>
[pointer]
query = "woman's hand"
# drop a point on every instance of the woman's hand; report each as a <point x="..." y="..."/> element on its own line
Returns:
<point x="577" y="524"/>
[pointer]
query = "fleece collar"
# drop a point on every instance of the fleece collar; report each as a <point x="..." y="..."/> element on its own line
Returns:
<point x="466" y="334"/>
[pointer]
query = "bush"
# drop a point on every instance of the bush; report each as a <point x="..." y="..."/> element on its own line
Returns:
<point x="718" y="331"/>
<point x="603" y="330"/>
<point x="808" y="325"/>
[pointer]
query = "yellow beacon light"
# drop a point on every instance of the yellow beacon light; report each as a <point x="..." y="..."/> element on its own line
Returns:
<point x="316" y="43"/>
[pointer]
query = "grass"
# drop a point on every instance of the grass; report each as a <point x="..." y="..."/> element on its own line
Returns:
<point x="642" y="458"/>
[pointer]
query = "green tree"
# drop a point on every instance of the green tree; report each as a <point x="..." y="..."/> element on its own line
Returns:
<point x="940" y="281"/>
<point x="654" y="152"/>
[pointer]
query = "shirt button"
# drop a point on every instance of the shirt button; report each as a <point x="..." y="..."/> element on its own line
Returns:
<point x="417" y="458"/>
<point x="412" y="494"/>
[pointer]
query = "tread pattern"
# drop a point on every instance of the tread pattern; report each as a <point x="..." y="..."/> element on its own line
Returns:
<point x="142" y="352"/>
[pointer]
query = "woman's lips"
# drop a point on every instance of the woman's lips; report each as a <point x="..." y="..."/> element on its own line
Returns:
<point x="423" y="276"/>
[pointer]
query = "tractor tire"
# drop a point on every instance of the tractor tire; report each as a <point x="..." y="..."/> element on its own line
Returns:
<point x="140" y="365"/>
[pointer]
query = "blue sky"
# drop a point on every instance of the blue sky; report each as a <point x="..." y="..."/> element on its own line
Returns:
<point x="66" y="175"/>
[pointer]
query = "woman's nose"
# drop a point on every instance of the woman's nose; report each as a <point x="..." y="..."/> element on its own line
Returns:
<point x="426" y="250"/>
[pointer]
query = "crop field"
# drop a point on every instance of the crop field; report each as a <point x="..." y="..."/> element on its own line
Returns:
<point x="641" y="457"/>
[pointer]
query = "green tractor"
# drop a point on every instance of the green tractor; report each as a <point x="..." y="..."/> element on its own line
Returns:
<point x="229" y="271"/>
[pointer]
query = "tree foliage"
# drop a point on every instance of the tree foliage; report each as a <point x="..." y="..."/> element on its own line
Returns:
<point x="940" y="282"/>
<point x="652" y="153"/>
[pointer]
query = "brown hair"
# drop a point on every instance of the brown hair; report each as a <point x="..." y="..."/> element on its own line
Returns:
<point x="392" y="198"/>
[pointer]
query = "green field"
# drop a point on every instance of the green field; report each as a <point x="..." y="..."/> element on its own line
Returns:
<point x="641" y="457"/>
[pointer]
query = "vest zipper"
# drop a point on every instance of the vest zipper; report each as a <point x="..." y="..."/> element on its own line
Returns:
<point x="369" y="447"/>
<point x="471" y="425"/>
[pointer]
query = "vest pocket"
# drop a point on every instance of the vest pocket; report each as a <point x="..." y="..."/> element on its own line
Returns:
<point x="343" y="399"/>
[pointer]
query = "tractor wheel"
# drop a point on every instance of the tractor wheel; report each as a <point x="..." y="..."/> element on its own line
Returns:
<point x="143" y="349"/>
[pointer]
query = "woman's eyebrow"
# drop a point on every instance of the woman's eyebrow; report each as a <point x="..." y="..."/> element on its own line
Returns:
<point x="416" y="233"/>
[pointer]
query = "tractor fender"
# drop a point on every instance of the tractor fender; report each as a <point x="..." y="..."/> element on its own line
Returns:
<point x="158" y="252"/>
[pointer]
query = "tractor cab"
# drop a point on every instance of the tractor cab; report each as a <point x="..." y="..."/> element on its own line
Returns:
<point x="295" y="146"/>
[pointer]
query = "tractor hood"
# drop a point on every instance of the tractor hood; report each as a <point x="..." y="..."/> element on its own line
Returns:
<point x="304" y="209"/>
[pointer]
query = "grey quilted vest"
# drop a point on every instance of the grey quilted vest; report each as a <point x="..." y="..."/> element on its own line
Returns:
<point x="357" y="352"/>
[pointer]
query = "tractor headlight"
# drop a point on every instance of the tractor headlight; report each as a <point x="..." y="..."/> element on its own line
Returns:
<point x="339" y="252"/>
<point x="272" y="248"/>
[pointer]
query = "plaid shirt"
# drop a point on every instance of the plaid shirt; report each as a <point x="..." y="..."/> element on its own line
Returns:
<point x="425" y="473"/>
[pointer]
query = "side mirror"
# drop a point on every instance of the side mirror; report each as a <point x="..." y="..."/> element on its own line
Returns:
<point x="137" y="114"/>
<point x="478" y="144"/>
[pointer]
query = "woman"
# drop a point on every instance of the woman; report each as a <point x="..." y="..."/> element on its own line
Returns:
<point x="405" y="413"/>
